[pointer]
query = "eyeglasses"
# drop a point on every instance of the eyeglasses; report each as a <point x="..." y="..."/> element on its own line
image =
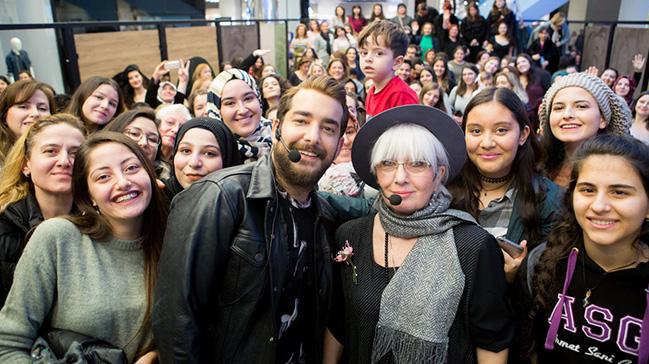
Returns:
<point x="412" y="167"/>
<point x="137" y="134"/>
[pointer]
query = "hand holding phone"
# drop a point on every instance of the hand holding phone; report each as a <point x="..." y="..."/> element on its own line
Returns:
<point x="514" y="250"/>
<point x="172" y="65"/>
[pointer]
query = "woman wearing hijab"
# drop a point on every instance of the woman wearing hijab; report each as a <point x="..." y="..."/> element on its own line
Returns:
<point x="234" y="98"/>
<point x="203" y="145"/>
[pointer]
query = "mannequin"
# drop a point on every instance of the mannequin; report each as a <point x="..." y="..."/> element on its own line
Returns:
<point x="18" y="60"/>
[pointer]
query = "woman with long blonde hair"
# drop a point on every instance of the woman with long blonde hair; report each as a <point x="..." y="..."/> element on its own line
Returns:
<point x="36" y="184"/>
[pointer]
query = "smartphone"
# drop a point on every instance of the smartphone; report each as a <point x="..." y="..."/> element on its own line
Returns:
<point x="514" y="250"/>
<point x="172" y="65"/>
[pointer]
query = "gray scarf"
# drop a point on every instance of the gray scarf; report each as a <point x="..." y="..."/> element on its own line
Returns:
<point x="419" y="304"/>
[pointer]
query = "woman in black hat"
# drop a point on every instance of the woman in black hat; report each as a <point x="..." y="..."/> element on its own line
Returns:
<point x="419" y="281"/>
<point x="203" y="145"/>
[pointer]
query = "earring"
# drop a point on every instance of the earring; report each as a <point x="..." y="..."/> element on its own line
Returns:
<point x="26" y="174"/>
<point x="94" y="204"/>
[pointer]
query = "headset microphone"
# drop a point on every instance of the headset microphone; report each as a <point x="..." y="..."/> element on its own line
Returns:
<point x="395" y="200"/>
<point x="293" y="155"/>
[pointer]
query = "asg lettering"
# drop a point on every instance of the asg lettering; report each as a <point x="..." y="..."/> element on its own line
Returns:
<point x="597" y="325"/>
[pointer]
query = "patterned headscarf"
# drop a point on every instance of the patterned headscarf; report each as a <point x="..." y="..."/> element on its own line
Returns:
<point x="215" y="91"/>
<point x="259" y="142"/>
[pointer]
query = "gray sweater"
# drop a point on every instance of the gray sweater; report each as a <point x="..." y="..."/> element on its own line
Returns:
<point x="65" y="280"/>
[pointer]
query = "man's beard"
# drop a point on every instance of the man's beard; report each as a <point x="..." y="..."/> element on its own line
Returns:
<point x="288" y="171"/>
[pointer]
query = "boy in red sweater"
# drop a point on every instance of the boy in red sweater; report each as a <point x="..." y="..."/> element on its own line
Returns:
<point x="382" y="48"/>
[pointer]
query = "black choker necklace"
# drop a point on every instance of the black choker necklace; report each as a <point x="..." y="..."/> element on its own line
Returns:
<point x="495" y="180"/>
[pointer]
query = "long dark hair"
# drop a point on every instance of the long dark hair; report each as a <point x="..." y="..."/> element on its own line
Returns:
<point x="445" y="80"/>
<point x="360" y="12"/>
<point x="462" y="87"/>
<point x="431" y="87"/>
<point x="342" y="16"/>
<point x="533" y="73"/>
<point x="283" y="86"/>
<point x="567" y="233"/>
<point x="475" y="18"/>
<point x="466" y="187"/>
<point x="495" y="11"/>
<point x="375" y="17"/>
<point x="95" y="225"/>
<point x="127" y="91"/>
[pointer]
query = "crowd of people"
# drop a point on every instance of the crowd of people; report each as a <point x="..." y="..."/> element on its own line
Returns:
<point x="417" y="189"/>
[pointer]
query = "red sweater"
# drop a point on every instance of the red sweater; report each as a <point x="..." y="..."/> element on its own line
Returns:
<point x="395" y="93"/>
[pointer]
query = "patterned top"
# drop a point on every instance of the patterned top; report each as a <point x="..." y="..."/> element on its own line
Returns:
<point x="495" y="217"/>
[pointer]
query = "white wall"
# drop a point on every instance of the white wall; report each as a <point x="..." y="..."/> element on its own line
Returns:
<point x="39" y="43"/>
<point x="634" y="10"/>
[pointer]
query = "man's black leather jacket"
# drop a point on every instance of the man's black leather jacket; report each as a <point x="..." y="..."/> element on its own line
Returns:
<point x="222" y="270"/>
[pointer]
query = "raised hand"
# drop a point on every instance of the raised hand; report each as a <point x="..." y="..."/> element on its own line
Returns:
<point x="159" y="71"/>
<point x="183" y="76"/>
<point x="260" y="52"/>
<point x="638" y="62"/>
<point x="592" y="70"/>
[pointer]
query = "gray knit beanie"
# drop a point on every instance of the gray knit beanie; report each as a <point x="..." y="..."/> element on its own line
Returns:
<point x="614" y="109"/>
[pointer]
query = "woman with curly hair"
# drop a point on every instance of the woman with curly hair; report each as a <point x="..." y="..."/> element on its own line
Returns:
<point x="588" y="286"/>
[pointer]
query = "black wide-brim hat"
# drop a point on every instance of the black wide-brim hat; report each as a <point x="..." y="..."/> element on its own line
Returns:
<point x="439" y="123"/>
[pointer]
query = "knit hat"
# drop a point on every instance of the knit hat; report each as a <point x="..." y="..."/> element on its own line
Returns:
<point x="614" y="109"/>
<point x="215" y="91"/>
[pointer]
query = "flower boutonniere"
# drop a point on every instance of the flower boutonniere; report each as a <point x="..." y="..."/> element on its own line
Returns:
<point x="345" y="256"/>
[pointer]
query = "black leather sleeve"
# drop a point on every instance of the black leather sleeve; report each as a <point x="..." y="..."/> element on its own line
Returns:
<point x="199" y="231"/>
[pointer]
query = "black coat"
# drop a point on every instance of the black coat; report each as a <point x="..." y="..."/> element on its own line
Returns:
<point x="494" y="19"/>
<point x="428" y="18"/>
<point x="442" y="33"/>
<point x="474" y="30"/>
<point x="222" y="269"/>
<point x="15" y="222"/>
<point x="478" y="30"/>
<point x="549" y="52"/>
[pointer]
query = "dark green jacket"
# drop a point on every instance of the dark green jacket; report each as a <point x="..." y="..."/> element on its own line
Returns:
<point x="548" y="210"/>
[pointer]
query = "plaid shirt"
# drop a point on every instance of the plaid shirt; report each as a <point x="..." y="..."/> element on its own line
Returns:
<point x="495" y="217"/>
